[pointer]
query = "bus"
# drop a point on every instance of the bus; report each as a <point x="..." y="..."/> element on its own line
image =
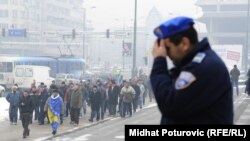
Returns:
<point x="69" y="65"/>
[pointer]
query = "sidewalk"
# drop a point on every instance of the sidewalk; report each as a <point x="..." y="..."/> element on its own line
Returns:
<point x="40" y="132"/>
<point x="43" y="132"/>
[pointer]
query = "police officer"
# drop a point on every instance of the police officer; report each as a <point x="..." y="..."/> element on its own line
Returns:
<point x="198" y="89"/>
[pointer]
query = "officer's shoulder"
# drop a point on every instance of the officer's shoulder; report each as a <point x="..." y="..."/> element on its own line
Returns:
<point x="206" y="61"/>
<point x="197" y="61"/>
<point x="199" y="57"/>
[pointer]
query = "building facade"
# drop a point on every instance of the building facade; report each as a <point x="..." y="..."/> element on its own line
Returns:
<point x="48" y="25"/>
<point x="227" y="22"/>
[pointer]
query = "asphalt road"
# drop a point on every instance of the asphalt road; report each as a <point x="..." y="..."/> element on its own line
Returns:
<point x="113" y="130"/>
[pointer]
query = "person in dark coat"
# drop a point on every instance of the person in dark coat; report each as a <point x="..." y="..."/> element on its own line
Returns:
<point x="94" y="102"/>
<point x="42" y="100"/>
<point x="67" y="99"/>
<point x="235" y="73"/>
<point x="113" y="94"/>
<point x="137" y="93"/>
<point x="13" y="98"/>
<point x="75" y="104"/>
<point x="25" y="106"/>
<point x="35" y="103"/>
<point x="247" y="90"/>
<point x="103" y="94"/>
<point x="198" y="89"/>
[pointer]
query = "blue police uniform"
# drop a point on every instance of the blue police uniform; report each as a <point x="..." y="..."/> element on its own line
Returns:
<point x="198" y="91"/>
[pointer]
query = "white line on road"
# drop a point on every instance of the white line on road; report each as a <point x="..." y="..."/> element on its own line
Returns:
<point x="150" y="105"/>
<point x="83" y="138"/>
<point x="115" y="118"/>
<point x="41" y="139"/>
<point x="71" y="130"/>
<point x="244" y="117"/>
<point x="119" y="137"/>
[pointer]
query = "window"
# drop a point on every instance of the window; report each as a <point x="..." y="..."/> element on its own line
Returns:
<point x="209" y="8"/>
<point x="4" y="13"/>
<point x="6" y="67"/>
<point x="19" y="72"/>
<point x="23" y="15"/>
<point x="21" y="2"/>
<point x="14" y="2"/>
<point x="14" y="14"/>
<point x="3" y="1"/>
<point x="60" y="76"/>
<point x="3" y="25"/>
<point x="70" y="77"/>
<point x="233" y="7"/>
<point x="33" y="16"/>
<point x="28" y="72"/>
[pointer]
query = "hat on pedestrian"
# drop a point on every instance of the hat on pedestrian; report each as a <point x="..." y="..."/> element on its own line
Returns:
<point x="173" y="26"/>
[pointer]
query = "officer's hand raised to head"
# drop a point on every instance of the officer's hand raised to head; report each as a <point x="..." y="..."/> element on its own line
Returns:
<point x="159" y="51"/>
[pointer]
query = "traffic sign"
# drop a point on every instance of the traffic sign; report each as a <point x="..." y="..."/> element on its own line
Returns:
<point x="17" y="32"/>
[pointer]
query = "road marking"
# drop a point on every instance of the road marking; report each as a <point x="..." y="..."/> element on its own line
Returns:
<point x="61" y="139"/>
<point x="241" y="123"/>
<point x="120" y="137"/>
<point x="115" y="118"/>
<point x="83" y="138"/>
<point x="71" y="130"/>
<point x="150" y="106"/>
<point x="41" y="139"/>
<point x="245" y="117"/>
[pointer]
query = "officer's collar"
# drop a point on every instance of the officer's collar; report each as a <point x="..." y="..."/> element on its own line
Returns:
<point x="199" y="47"/>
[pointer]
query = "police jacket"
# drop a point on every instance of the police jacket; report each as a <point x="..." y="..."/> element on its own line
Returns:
<point x="198" y="91"/>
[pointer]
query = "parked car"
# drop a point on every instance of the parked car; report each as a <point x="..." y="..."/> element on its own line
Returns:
<point x="2" y="91"/>
<point x="67" y="78"/>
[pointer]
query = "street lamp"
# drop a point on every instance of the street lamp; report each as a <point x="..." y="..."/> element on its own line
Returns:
<point x="134" y="44"/>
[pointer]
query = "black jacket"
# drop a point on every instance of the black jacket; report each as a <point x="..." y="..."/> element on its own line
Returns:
<point x="25" y="104"/>
<point x="198" y="91"/>
<point x="113" y="95"/>
<point x="95" y="100"/>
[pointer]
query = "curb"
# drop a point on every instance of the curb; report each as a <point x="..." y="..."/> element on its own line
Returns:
<point x="76" y="129"/>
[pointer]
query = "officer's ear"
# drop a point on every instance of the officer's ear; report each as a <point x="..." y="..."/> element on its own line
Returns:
<point x="185" y="43"/>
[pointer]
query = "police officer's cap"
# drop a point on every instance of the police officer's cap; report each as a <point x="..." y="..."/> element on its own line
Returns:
<point x="173" y="26"/>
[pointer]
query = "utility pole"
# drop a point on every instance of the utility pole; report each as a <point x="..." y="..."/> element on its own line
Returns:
<point x="123" y="56"/>
<point x="247" y="42"/>
<point x="84" y="30"/>
<point x="83" y="40"/>
<point x="134" y="44"/>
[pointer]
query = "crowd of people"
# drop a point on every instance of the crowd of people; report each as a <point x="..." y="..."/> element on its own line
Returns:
<point x="60" y="101"/>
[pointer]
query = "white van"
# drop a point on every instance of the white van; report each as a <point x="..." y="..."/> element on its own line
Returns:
<point x="25" y="75"/>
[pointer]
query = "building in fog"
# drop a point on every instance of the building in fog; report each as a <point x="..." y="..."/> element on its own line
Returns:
<point x="226" y="21"/>
<point x="47" y="25"/>
<point x="153" y="19"/>
<point x="110" y="50"/>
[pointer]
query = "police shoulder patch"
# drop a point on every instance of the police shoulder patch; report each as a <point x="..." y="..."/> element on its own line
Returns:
<point x="184" y="80"/>
<point x="199" y="57"/>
